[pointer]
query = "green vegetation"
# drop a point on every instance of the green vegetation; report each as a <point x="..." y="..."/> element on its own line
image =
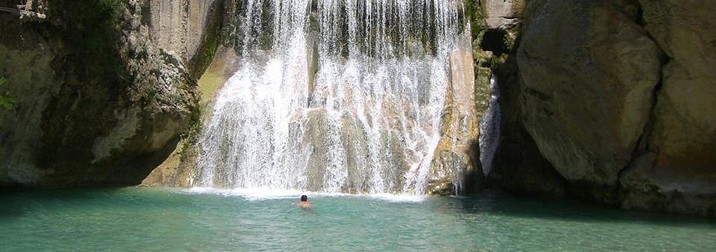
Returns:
<point x="474" y="14"/>
<point x="211" y="41"/>
<point x="92" y="27"/>
<point x="6" y="101"/>
<point x="100" y="18"/>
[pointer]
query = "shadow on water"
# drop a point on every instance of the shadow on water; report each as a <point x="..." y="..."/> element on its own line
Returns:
<point x="503" y="204"/>
<point x="17" y="202"/>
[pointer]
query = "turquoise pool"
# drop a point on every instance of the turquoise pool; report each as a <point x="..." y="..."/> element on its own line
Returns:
<point x="153" y="219"/>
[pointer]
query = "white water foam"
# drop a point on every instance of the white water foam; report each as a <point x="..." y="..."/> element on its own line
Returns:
<point x="345" y="98"/>
<point x="260" y="194"/>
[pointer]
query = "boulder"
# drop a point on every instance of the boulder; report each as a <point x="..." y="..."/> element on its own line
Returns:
<point x="676" y="171"/>
<point x="588" y="73"/>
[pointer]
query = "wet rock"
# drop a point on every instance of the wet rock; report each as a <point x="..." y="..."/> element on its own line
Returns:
<point x="518" y="166"/>
<point x="444" y="180"/>
<point x="456" y="158"/>
<point x="179" y="168"/>
<point x="336" y="148"/>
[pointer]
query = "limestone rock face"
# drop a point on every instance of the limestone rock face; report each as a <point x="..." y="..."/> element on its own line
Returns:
<point x="676" y="171"/>
<point x="180" y="167"/>
<point x="456" y="150"/>
<point x="589" y="73"/>
<point x="185" y="28"/>
<point x="503" y="14"/>
<point x="617" y="97"/>
<point x="98" y="102"/>
<point x="178" y="26"/>
<point x="30" y="76"/>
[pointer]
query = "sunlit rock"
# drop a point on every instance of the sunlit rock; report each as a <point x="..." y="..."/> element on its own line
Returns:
<point x="676" y="170"/>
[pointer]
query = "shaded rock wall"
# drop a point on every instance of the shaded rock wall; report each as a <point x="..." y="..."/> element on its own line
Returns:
<point x="29" y="71"/>
<point x="518" y="165"/>
<point x="609" y="101"/>
<point x="99" y="100"/>
<point x="586" y="97"/>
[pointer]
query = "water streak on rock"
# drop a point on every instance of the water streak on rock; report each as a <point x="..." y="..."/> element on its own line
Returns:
<point x="490" y="128"/>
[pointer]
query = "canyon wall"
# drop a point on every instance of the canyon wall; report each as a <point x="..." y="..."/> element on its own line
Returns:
<point x="606" y="100"/>
<point x="610" y="101"/>
<point x="100" y="96"/>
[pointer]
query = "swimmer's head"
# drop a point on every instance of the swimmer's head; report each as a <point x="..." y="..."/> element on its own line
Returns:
<point x="304" y="198"/>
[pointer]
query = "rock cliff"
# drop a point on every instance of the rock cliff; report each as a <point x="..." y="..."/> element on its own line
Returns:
<point x="609" y="101"/>
<point x="606" y="100"/>
<point x="100" y="97"/>
<point x="674" y="168"/>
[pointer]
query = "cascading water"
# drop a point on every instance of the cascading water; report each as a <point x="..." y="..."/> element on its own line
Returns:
<point x="333" y="96"/>
<point x="490" y="128"/>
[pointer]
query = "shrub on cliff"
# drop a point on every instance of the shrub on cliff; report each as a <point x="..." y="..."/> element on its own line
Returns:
<point x="6" y="101"/>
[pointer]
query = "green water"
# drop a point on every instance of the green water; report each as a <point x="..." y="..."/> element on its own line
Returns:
<point x="151" y="219"/>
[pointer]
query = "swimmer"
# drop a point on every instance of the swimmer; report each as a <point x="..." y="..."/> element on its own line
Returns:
<point x="304" y="202"/>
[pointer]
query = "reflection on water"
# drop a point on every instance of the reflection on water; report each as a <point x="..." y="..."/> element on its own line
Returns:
<point x="158" y="219"/>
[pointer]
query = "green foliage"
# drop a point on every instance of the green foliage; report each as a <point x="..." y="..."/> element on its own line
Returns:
<point x="92" y="28"/>
<point x="474" y="14"/>
<point x="6" y="101"/>
<point x="99" y="18"/>
<point x="210" y="44"/>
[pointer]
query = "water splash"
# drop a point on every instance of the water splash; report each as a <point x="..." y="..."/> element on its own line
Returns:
<point x="343" y="96"/>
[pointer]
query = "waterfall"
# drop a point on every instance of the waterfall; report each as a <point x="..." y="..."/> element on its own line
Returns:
<point x="333" y="96"/>
<point x="490" y="128"/>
